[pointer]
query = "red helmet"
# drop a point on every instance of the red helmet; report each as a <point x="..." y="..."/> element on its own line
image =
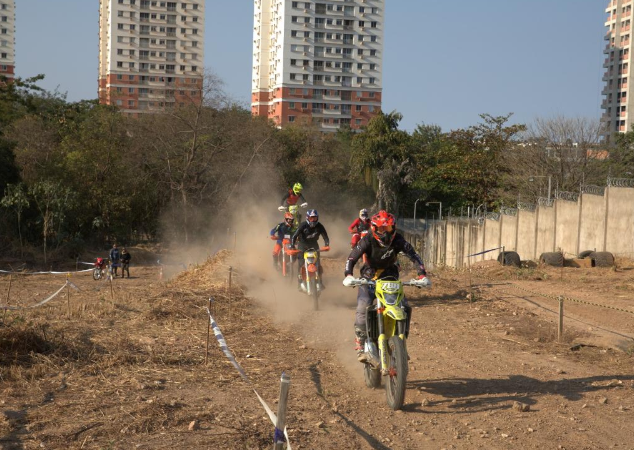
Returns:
<point x="383" y="228"/>
<point x="289" y="218"/>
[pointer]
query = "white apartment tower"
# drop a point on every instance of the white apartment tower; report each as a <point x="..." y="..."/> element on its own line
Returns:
<point x="151" y="53"/>
<point x="7" y="38"/>
<point x="318" y="61"/>
<point x="617" y="103"/>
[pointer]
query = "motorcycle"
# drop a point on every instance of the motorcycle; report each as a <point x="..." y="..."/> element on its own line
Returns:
<point x="101" y="268"/>
<point x="286" y="258"/>
<point x="356" y="237"/>
<point x="387" y="322"/>
<point x="311" y="273"/>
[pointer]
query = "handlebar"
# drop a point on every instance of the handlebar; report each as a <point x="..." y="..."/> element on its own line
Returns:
<point x="354" y="282"/>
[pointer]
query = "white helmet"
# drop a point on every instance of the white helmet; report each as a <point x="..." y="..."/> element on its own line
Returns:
<point x="363" y="214"/>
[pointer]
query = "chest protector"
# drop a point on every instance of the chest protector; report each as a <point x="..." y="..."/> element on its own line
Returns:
<point x="363" y="226"/>
<point x="292" y="198"/>
<point x="381" y="257"/>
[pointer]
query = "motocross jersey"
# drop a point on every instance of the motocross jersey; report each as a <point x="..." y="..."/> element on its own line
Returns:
<point x="359" y="226"/>
<point x="382" y="259"/>
<point x="281" y="230"/>
<point x="291" y="198"/>
<point x="309" y="236"/>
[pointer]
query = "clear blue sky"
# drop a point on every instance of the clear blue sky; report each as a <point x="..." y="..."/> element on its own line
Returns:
<point x="444" y="62"/>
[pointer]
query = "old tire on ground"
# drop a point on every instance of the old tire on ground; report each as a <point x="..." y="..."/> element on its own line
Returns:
<point x="509" y="259"/>
<point x="602" y="259"/>
<point x="585" y="254"/>
<point x="554" y="259"/>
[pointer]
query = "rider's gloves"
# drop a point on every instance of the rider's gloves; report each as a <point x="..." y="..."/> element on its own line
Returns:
<point x="304" y="205"/>
<point x="281" y="208"/>
<point x="273" y="237"/>
<point x="347" y="281"/>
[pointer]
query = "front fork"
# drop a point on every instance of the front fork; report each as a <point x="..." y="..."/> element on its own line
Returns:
<point x="389" y="328"/>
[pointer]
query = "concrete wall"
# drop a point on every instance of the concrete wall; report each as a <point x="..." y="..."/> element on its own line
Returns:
<point x="567" y="229"/>
<point x="545" y="230"/>
<point x="592" y="227"/>
<point x="620" y="221"/>
<point x="526" y="234"/>
<point x="602" y="222"/>
<point x="509" y="232"/>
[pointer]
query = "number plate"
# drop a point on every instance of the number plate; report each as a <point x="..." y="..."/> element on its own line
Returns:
<point x="391" y="287"/>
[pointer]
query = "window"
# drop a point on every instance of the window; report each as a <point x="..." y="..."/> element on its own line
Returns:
<point x="119" y="77"/>
<point x="358" y="108"/>
<point x="291" y="104"/>
<point x="130" y="90"/>
<point x="131" y="103"/>
<point x="119" y="27"/>
<point x="291" y="119"/>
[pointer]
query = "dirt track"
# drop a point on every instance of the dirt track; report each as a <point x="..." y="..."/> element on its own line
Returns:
<point x="129" y="373"/>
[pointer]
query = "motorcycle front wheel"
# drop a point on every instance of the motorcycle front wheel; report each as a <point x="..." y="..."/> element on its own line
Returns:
<point x="396" y="380"/>
<point x="96" y="274"/>
<point x="314" y="294"/>
<point x="372" y="376"/>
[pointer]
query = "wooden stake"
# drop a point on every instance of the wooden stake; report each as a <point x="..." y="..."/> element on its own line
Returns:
<point x="111" y="289"/>
<point x="8" y="295"/>
<point x="230" y="273"/>
<point x="208" y="332"/>
<point x="560" y="329"/>
<point x="68" y="296"/>
<point x="279" y="439"/>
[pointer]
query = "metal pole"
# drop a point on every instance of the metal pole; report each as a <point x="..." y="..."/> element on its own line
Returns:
<point x="279" y="439"/>
<point x="415" y="204"/>
<point x="230" y="273"/>
<point x="440" y="210"/>
<point x="550" y="182"/>
<point x="560" y="329"/>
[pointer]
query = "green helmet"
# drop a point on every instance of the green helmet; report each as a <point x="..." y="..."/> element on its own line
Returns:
<point x="297" y="188"/>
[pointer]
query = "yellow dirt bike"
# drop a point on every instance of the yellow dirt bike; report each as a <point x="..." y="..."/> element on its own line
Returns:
<point x="387" y="323"/>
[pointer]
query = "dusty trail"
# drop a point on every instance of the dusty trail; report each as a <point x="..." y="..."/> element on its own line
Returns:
<point x="470" y="363"/>
<point x="129" y="373"/>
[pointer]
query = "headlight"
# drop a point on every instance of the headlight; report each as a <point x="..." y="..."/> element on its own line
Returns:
<point x="310" y="260"/>
<point x="390" y="299"/>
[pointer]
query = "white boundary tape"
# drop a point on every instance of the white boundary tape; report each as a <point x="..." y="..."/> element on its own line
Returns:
<point x="45" y="273"/>
<point x="43" y="302"/>
<point x="223" y="346"/>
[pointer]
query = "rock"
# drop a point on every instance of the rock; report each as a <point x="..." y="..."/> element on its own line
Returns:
<point x="506" y="333"/>
<point x="193" y="425"/>
<point x="536" y="340"/>
<point x="302" y="347"/>
<point x="603" y="400"/>
<point x="530" y="430"/>
<point x="504" y="435"/>
<point x="561" y="372"/>
<point x="585" y="405"/>
<point x="320" y="424"/>
<point x="521" y="407"/>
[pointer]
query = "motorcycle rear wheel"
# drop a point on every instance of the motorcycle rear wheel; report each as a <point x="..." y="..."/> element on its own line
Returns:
<point x="372" y="376"/>
<point x="96" y="274"/>
<point x="396" y="380"/>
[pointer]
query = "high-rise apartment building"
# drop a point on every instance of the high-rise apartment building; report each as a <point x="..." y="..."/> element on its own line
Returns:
<point x="318" y="61"/>
<point x="151" y="53"/>
<point x="617" y="103"/>
<point x="7" y="38"/>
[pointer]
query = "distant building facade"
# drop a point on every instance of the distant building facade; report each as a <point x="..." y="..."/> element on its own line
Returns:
<point x="151" y="53"/>
<point x="318" y="61"/>
<point x="617" y="102"/>
<point x="7" y="38"/>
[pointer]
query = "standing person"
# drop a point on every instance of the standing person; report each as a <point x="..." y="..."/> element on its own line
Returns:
<point x="293" y="196"/>
<point x="115" y="257"/>
<point x="381" y="247"/>
<point x="359" y="227"/>
<point x="125" y="262"/>
<point x="308" y="236"/>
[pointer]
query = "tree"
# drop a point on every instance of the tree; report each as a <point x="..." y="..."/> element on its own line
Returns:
<point x="384" y="149"/>
<point x="15" y="197"/>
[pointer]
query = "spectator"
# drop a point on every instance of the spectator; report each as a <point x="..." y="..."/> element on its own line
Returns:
<point x="125" y="262"/>
<point x="115" y="258"/>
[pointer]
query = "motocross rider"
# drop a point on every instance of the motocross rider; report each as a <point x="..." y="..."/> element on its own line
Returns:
<point x="381" y="247"/>
<point x="359" y="226"/>
<point x="293" y="196"/>
<point x="308" y="236"/>
<point x="288" y="227"/>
